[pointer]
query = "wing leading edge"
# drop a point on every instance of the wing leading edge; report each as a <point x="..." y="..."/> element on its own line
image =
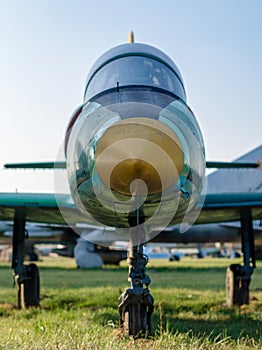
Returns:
<point x="41" y="208"/>
<point x="228" y="206"/>
<point x="62" y="165"/>
<point x="44" y="208"/>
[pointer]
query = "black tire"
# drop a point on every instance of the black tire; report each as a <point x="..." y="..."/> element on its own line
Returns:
<point x="230" y="287"/>
<point x="244" y="291"/>
<point x="135" y="322"/>
<point x="29" y="289"/>
<point x="237" y="287"/>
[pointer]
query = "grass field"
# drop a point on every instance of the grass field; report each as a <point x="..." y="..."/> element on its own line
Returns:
<point x="79" y="308"/>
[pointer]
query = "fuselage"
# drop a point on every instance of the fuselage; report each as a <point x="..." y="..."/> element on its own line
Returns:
<point x="134" y="149"/>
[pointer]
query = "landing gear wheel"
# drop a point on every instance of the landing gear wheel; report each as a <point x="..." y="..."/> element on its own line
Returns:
<point x="29" y="288"/>
<point x="136" y="304"/>
<point x="135" y="313"/>
<point x="231" y="287"/>
<point x="237" y="286"/>
<point x="135" y="319"/>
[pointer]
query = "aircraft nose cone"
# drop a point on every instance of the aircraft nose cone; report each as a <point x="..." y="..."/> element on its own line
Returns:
<point x="139" y="149"/>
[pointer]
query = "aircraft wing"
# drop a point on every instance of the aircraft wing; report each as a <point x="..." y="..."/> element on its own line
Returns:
<point x="228" y="206"/>
<point x="43" y="208"/>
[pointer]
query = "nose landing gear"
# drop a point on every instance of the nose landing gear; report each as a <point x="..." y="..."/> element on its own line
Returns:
<point x="136" y="304"/>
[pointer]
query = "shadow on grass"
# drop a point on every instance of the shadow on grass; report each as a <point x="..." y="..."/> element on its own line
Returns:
<point x="212" y="319"/>
<point x="235" y="328"/>
<point x="216" y="330"/>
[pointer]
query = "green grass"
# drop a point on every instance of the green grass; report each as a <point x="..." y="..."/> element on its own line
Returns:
<point x="79" y="308"/>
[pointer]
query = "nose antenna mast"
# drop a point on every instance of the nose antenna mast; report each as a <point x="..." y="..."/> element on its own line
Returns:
<point x="131" y="37"/>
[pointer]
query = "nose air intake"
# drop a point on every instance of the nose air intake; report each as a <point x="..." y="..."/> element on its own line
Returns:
<point x="139" y="149"/>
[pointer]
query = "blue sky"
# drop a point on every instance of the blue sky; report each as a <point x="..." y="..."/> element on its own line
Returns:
<point x="47" y="48"/>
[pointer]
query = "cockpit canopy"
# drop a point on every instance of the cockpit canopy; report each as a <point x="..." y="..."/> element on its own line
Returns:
<point x="134" y="65"/>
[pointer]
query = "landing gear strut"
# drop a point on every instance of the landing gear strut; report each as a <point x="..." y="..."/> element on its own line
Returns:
<point x="136" y="304"/>
<point x="238" y="277"/>
<point x="26" y="277"/>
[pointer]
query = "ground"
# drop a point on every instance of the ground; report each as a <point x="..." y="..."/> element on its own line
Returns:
<point x="79" y="308"/>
